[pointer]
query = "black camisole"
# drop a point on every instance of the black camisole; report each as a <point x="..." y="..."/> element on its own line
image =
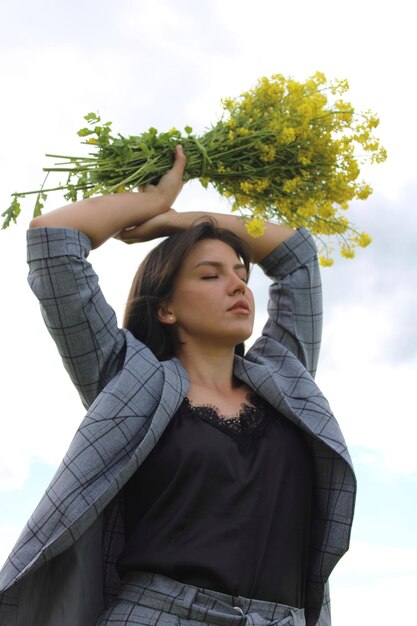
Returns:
<point x="224" y="504"/>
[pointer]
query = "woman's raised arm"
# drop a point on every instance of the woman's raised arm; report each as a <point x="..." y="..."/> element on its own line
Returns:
<point x="103" y="217"/>
<point x="171" y="221"/>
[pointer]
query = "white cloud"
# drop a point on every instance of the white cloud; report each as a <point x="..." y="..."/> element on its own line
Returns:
<point x="376" y="559"/>
<point x="146" y="19"/>
<point x="8" y="536"/>
<point x="13" y="473"/>
<point x="369" y="585"/>
<point x="382" y="601"/>
<point x="371" y="396"/>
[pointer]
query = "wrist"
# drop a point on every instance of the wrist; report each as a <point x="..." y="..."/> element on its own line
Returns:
<point x="184" y="220"/>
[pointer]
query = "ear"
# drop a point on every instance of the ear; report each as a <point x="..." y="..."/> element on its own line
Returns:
<point x="165" y="315"/>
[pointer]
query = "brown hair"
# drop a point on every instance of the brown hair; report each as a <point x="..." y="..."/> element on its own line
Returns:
<point x="154" y="283"/>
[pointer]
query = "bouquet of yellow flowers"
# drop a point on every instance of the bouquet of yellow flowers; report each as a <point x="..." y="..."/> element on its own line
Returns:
<point x="283" y="151"/>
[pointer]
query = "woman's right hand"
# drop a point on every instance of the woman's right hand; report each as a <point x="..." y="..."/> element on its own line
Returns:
<point x="171" y="183"/>
<point x="165" y="192"/>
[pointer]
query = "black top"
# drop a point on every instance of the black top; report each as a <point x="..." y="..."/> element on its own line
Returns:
<point x="224" y="504"/>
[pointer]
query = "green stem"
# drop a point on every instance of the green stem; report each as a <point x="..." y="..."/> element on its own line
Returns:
<point x="22" y="194"/>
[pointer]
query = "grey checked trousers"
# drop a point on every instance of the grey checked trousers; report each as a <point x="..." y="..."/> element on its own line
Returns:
<point x="148" y="599"/>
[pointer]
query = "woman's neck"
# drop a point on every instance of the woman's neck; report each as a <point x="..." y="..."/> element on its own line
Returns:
<point x="210" y="369"/>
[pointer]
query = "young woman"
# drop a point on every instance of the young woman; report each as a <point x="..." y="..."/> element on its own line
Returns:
<point x="204" y="486"/>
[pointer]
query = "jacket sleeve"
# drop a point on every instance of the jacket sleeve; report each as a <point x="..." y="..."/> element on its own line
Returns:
<point x="82" y="324"/>
<point x="295" y="302"/>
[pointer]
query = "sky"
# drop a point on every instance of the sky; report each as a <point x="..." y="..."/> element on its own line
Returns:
<point x="159" y="63"/>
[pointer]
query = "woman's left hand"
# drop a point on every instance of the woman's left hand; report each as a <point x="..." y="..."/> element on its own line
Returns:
<point x="161" y="225"/>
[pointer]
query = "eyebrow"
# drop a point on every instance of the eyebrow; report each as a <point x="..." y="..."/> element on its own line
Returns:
<point x="218" y="264"/>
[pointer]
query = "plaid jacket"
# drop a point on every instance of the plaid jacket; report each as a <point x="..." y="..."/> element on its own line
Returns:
<point x="62" y="568"/>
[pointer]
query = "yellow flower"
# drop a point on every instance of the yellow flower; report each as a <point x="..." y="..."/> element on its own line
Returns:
<point x="287" y="135"/>
<point x="291" y="184"/>
<point x="256" y="186"/>
<point x="326" y="210"/>
<point x="228" y="103"/>
<point x="339" y="86"/>
<point x="347" y="251"/>
<point x="309" y="209"/>
<point x="363" y="240"/>
<point x="373" y="120"/>
<point x="255" y="227"/>
<point x="261" y="185"/>
<point x="319" y="78"/>
<point x="380" y="156"/>
<point x="92" y="140"/>
<point x="268" y="153"/>
<point x="326" y="261"/>
<point x="363" y="192"/>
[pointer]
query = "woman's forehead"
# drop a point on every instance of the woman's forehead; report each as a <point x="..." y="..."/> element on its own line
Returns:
<point x="211" y="250"/>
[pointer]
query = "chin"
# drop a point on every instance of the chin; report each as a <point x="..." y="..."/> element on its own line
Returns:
<point x="238" y="339"/>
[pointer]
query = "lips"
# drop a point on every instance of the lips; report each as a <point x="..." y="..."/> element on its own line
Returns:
<point x="240" y="307"/>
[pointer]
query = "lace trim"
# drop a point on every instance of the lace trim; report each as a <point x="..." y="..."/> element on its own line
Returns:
<point x="244" y="428"/>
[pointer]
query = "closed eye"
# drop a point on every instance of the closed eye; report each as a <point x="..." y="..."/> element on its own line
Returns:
<point x="243" y="279"/>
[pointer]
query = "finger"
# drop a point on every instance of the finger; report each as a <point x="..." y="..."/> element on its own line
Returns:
<point x="180" y="160"/>
<point x="127" y="234"/>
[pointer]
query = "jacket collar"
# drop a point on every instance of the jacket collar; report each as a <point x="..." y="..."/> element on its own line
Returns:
<point x="299" y="399"/>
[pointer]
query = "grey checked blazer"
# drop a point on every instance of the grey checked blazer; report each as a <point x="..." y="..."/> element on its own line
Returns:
<point x="62" y="568"/>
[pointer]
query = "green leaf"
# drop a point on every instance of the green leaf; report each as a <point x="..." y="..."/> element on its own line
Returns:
<point x="92" y="118"/>
<point x="38" y="207"/>
<point x="84" y="132"/>
<point x="188" y="130"/>
<point x="11" y="213"/>
<point x="71" y="193"/>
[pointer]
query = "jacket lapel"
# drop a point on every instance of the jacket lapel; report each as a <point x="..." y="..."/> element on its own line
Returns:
<point x="174" y="388"/>
<point x="298" y="398"/>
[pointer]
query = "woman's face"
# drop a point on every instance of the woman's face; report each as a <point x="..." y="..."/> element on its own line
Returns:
<point x="212" y="304"/>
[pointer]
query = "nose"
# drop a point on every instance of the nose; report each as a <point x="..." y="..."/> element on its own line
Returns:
<point x="237" y="285"/>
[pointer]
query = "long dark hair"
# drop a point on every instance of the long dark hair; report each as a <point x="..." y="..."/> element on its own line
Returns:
<point x="154" y="283"/>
